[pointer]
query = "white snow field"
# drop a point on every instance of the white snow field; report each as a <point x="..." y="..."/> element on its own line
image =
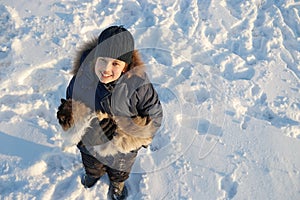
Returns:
<point x="227" y="73"/>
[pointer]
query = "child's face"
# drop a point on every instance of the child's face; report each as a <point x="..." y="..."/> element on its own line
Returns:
<point x="109" y="69"/>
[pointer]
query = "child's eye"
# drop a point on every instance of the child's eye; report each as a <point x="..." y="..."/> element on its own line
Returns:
<point x="116" y="64"/>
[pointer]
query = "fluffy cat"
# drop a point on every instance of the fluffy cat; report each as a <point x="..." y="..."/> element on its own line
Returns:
<point x="75" y="119"/>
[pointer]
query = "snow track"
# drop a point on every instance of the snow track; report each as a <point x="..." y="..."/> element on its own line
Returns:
<point x="227" y="73"/>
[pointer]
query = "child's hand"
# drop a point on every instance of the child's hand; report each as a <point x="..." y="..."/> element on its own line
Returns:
<point x="109" y="127"/>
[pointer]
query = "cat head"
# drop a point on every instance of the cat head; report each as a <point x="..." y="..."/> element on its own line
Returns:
<point x="64" y="114"/>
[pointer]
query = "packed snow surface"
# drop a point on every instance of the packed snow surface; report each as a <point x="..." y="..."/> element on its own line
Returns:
<point x="227" y="73"/>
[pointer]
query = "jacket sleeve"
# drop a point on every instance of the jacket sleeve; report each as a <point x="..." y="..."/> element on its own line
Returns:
<point x="69" y="90"/>
<point x="139" y="130"/>
<point x="149" y="105"/>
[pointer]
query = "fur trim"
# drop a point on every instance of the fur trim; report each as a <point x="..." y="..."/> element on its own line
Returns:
<point x="135" y="67"/>
<point x="88" y="46"/>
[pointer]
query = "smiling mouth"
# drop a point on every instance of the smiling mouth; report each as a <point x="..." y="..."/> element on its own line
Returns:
<point x="105" y="75"/>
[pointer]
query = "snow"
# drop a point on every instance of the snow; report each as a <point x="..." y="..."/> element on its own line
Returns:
<point x="227" y="73"/>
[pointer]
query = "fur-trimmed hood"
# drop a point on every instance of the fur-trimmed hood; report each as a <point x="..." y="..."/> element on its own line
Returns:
<point x="86" y="48"/>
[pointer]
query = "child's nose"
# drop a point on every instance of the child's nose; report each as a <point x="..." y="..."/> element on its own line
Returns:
<point x="107" y="67"/>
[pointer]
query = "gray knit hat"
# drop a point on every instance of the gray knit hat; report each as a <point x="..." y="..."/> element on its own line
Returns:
<point x="115" y="42"/>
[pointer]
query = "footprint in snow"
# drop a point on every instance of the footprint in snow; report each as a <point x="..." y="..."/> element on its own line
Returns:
<point x="229" y="186"/>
